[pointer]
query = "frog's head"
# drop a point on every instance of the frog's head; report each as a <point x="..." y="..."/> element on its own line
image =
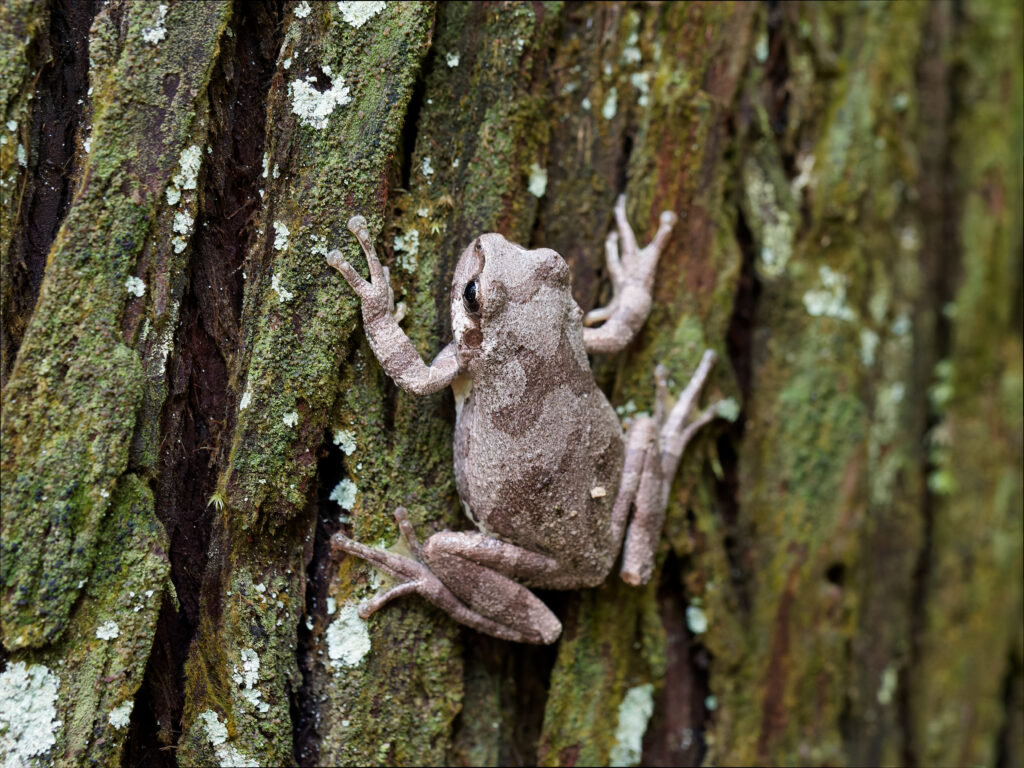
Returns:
<point x="505" y="298"/>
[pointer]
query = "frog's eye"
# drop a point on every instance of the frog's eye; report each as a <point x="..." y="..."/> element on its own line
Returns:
<point x="471" y="296"/>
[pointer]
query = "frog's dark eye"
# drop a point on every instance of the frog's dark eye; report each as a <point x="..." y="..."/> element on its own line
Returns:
<point x="471" y="296"/>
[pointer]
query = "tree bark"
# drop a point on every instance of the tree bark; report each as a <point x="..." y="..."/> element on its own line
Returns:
<point x="190" y="408"/>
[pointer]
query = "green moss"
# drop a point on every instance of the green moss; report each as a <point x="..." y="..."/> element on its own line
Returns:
<point x="101" y="656"/>
<point x="976" y="552"/>
<point x="59" y="471"/>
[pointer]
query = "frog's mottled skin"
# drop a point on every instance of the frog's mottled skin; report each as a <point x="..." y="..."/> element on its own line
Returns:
<point x="541" y="462"/>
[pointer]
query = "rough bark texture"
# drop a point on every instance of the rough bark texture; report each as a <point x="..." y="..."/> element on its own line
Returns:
<point x="190" y="408"/>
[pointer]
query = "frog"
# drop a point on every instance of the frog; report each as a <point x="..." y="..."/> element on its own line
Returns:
<point x="554" y="484"/>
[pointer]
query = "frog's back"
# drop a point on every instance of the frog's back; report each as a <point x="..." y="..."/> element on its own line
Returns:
<point x="538" y="458"/>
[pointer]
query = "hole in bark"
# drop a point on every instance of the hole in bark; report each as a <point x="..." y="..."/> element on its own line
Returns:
<point x="836" y="574"/>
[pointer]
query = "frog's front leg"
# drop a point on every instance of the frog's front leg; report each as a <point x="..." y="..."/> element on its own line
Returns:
<point x="660" y="464"/>
<point x="632" y="277"/>
<point x="469" y="576"/>
<point x="396" y="353"/>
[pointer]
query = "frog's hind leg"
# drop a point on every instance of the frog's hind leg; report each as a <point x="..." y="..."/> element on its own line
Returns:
<point x="511" y="611"/>
<point x="660" y="466"/>
<point x="484" y="574"/>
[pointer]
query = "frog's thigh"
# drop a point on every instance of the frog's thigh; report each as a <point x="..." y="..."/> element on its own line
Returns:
<point x="480" y="571"/>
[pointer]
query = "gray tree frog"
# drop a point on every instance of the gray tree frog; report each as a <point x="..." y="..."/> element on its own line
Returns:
<point x="542" y="465"/>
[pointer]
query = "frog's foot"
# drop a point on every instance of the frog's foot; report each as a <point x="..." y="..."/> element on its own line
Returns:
<point x="679" y="428"/>
<point x="412" y="575"/>
<point x="528" y="619"/>
<point x="632" y="273"/>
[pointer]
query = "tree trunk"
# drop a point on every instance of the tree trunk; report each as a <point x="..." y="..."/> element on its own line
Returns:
<point x="190" y="407"/>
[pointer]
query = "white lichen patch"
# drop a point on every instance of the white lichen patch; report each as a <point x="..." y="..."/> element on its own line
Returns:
<point x="135" y="286"/>
<point x="348" y="640"/>
<point x="423" y="213"/>
<point x="345" y="494"/>
<point x="22" y="156"/>
<point x="696" y="619"/>
<point x="345" y="440"/>
<point x="281" y="233"/>
<point x="12" y="126"/>
<point x="158" y="31"/>
<point x="728" y="409"/>
<point x="189" y="161"/>
<point x="217" y="734"/>
<point x="319" y="245"/>
<point x="634" y="714"/>
<point x="246" y="397"/>
<point x="108" y="630"/>
<point x="173" y="195"/>
<point x="290" y="419"/>
<point x="332" y="606"/>
<point x="538" y="180"/>
<point x="887" y="686"/>
<point x="452" y="59"/>
<point x="776" y="227"/>
<point x="28" y="713"/>
<point x="358" y="12"/>
<point x="283" y="294"/>
<point x="246" y="676"/>
<point x="761" y="48"/>
<point x="408" y="245"/>
<point x="642" y="82"/>
<point x="183" y="223"/>
<point x="426" y="168"/>
<point x="830" y="299"/>
<point x="302" y="10"/>
<point x="314" y="107"/>
<point x="121" y="715"/>
<point x="611" y="104"/>
<point x="586" y="104"/>
<point x="868" y="345"/>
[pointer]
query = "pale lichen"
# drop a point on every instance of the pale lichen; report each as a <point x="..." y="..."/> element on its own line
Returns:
<point x="538" y="180"/>
<point x="358" y="12"/>
<point x="345" y="494"/>
<point x="28" y="713"/>
<point x="313" y="107"/>
<point x="345" y="440"/>
<point x="135" y="286"/>
<point x="158" y="31"/>
<point x="830" y="299"/>
<point x="283" y="294"/>
<point x="120" y="716"/>
<point x="348" y="640"/>
<point x="408" y="244"/>
<point x="611" y="104"/>
<point x="634" y="714"/>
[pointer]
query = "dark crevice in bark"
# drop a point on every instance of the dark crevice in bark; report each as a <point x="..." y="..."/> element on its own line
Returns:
<point x="941" y="261"/>
<point x="200" y="408"/>
<point x="523" y="675"/>
<point x="740" y="347"/>
<point x="57" y="105"/>
<point x="304" y="710"/>
<point x="776" y="83"/>
<point x="676" y="732"/>
<point x="1009" y="749"/>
